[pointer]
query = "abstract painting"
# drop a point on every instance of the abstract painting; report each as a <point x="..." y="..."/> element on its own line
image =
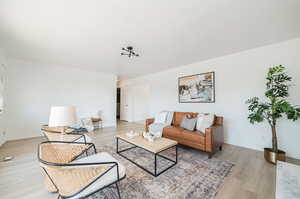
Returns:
<point x="198" y="88"/>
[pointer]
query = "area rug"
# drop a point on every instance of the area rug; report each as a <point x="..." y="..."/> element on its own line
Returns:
<point x="194" y="176"/>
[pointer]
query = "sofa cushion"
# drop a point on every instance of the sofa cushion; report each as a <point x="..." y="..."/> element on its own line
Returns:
<point x="178" y="116"/>
<point x="193" y="136"/>
<point x="188" y="123"/>
<point x="172" y="131"/>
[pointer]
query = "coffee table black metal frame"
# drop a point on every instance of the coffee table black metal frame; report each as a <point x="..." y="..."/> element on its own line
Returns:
<point x="155" y="173"/>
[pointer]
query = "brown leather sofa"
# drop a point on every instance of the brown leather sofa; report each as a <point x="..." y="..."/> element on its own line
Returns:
<point x="210" y="141"/>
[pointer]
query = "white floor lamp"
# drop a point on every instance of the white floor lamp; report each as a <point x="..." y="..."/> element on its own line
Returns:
<point x="62" y="116"/>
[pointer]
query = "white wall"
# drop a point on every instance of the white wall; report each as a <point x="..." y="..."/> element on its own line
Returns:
<point x="238" y="77"/>
<point x="32" y="88"/>
<point x="2" y="93"/>
<point x="141" y="102"/>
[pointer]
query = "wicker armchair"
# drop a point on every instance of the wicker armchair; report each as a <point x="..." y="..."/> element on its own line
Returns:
<point x="54" y="134"/>
<point x="78" y="178"/>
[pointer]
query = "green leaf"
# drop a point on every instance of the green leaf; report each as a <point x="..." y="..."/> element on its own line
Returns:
<point x="278" y="84"/>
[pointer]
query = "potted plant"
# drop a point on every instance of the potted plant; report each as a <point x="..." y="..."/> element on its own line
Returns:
<point x="278" y="83"/>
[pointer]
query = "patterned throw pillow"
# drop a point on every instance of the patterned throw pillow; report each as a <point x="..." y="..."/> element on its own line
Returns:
<point x="188" y="124"/>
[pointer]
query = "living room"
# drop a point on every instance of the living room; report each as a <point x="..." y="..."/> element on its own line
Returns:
<point x="188" y="74"/>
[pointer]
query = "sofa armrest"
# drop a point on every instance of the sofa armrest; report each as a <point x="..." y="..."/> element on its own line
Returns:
<point x="148" y="122"/>
<point x="214" y="138"/>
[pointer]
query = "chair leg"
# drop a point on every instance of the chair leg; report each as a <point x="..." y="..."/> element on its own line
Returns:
<point x="118" y="190"/>
<point x="95" y="150"/>
<point x="221" y="148"/>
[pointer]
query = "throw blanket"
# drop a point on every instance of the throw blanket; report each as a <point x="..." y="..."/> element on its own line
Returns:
<point x="158" y="127"/>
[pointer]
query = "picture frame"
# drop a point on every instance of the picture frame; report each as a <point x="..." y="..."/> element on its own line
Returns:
<point x="198" y="88"/>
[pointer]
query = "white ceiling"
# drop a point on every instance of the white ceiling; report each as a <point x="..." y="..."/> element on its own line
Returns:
<point x="167" y="33"/>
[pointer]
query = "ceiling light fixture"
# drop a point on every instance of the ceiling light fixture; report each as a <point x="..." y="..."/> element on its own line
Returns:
<point x="129" y="52"/>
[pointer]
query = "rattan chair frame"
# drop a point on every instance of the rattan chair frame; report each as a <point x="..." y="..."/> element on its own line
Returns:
<point x="111" y="164"/>
<point x="65" y="134"/>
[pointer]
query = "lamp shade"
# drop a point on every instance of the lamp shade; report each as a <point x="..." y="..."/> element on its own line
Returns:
<point x="62" y="116"/>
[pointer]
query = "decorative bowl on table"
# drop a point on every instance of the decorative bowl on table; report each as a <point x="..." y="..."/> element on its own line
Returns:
<point x="150" y="136"/>
<point x="132" y="134"/>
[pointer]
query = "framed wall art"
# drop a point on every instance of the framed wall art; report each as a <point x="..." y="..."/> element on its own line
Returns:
<point x="199" y="88"/>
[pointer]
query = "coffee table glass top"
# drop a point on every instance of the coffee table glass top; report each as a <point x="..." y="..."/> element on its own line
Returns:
<point x="156" y="146"/>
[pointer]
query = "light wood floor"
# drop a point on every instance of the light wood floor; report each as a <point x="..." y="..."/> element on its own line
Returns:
<point x="251" y="177"/>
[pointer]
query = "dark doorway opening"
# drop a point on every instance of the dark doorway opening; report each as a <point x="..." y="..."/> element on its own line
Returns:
<point x="118" y="102"/>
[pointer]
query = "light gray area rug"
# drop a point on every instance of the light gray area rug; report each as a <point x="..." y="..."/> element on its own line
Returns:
<point x="194" y="176"/>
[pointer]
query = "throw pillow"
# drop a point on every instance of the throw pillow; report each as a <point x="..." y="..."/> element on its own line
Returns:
<point x="188" y="124"/>
<point x="192" y="115"/>
<point x="88" y="124"/>
<point x="204" y="121"/>
<point x="161" y="117"/>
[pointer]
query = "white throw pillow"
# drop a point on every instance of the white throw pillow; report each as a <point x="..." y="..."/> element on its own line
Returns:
<point x="204" y="121"/>
<point x="161" y="117"/>
<point x="88" y="124"/>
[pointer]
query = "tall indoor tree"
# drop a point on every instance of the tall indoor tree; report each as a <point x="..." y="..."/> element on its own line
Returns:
<point x="276" y="106"/>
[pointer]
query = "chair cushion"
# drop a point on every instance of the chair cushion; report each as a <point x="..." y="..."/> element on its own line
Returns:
<point x="108" y="178"/>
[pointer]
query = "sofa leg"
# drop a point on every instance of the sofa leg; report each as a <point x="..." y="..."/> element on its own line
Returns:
<point x="220" y="148"/>
<point x="210" y="154"/>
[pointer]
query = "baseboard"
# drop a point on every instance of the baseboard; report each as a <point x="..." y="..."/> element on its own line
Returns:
<point x="111" y="124"/>
<point x="24" y="138"/>
<point x="140" y="121"/>
<point x="105" y="125"/>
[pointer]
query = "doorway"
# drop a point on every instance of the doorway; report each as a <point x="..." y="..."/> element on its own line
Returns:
<point x="134" y="102"/>
<point x="118" y="103"/>
<point x="126" y="104"/>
